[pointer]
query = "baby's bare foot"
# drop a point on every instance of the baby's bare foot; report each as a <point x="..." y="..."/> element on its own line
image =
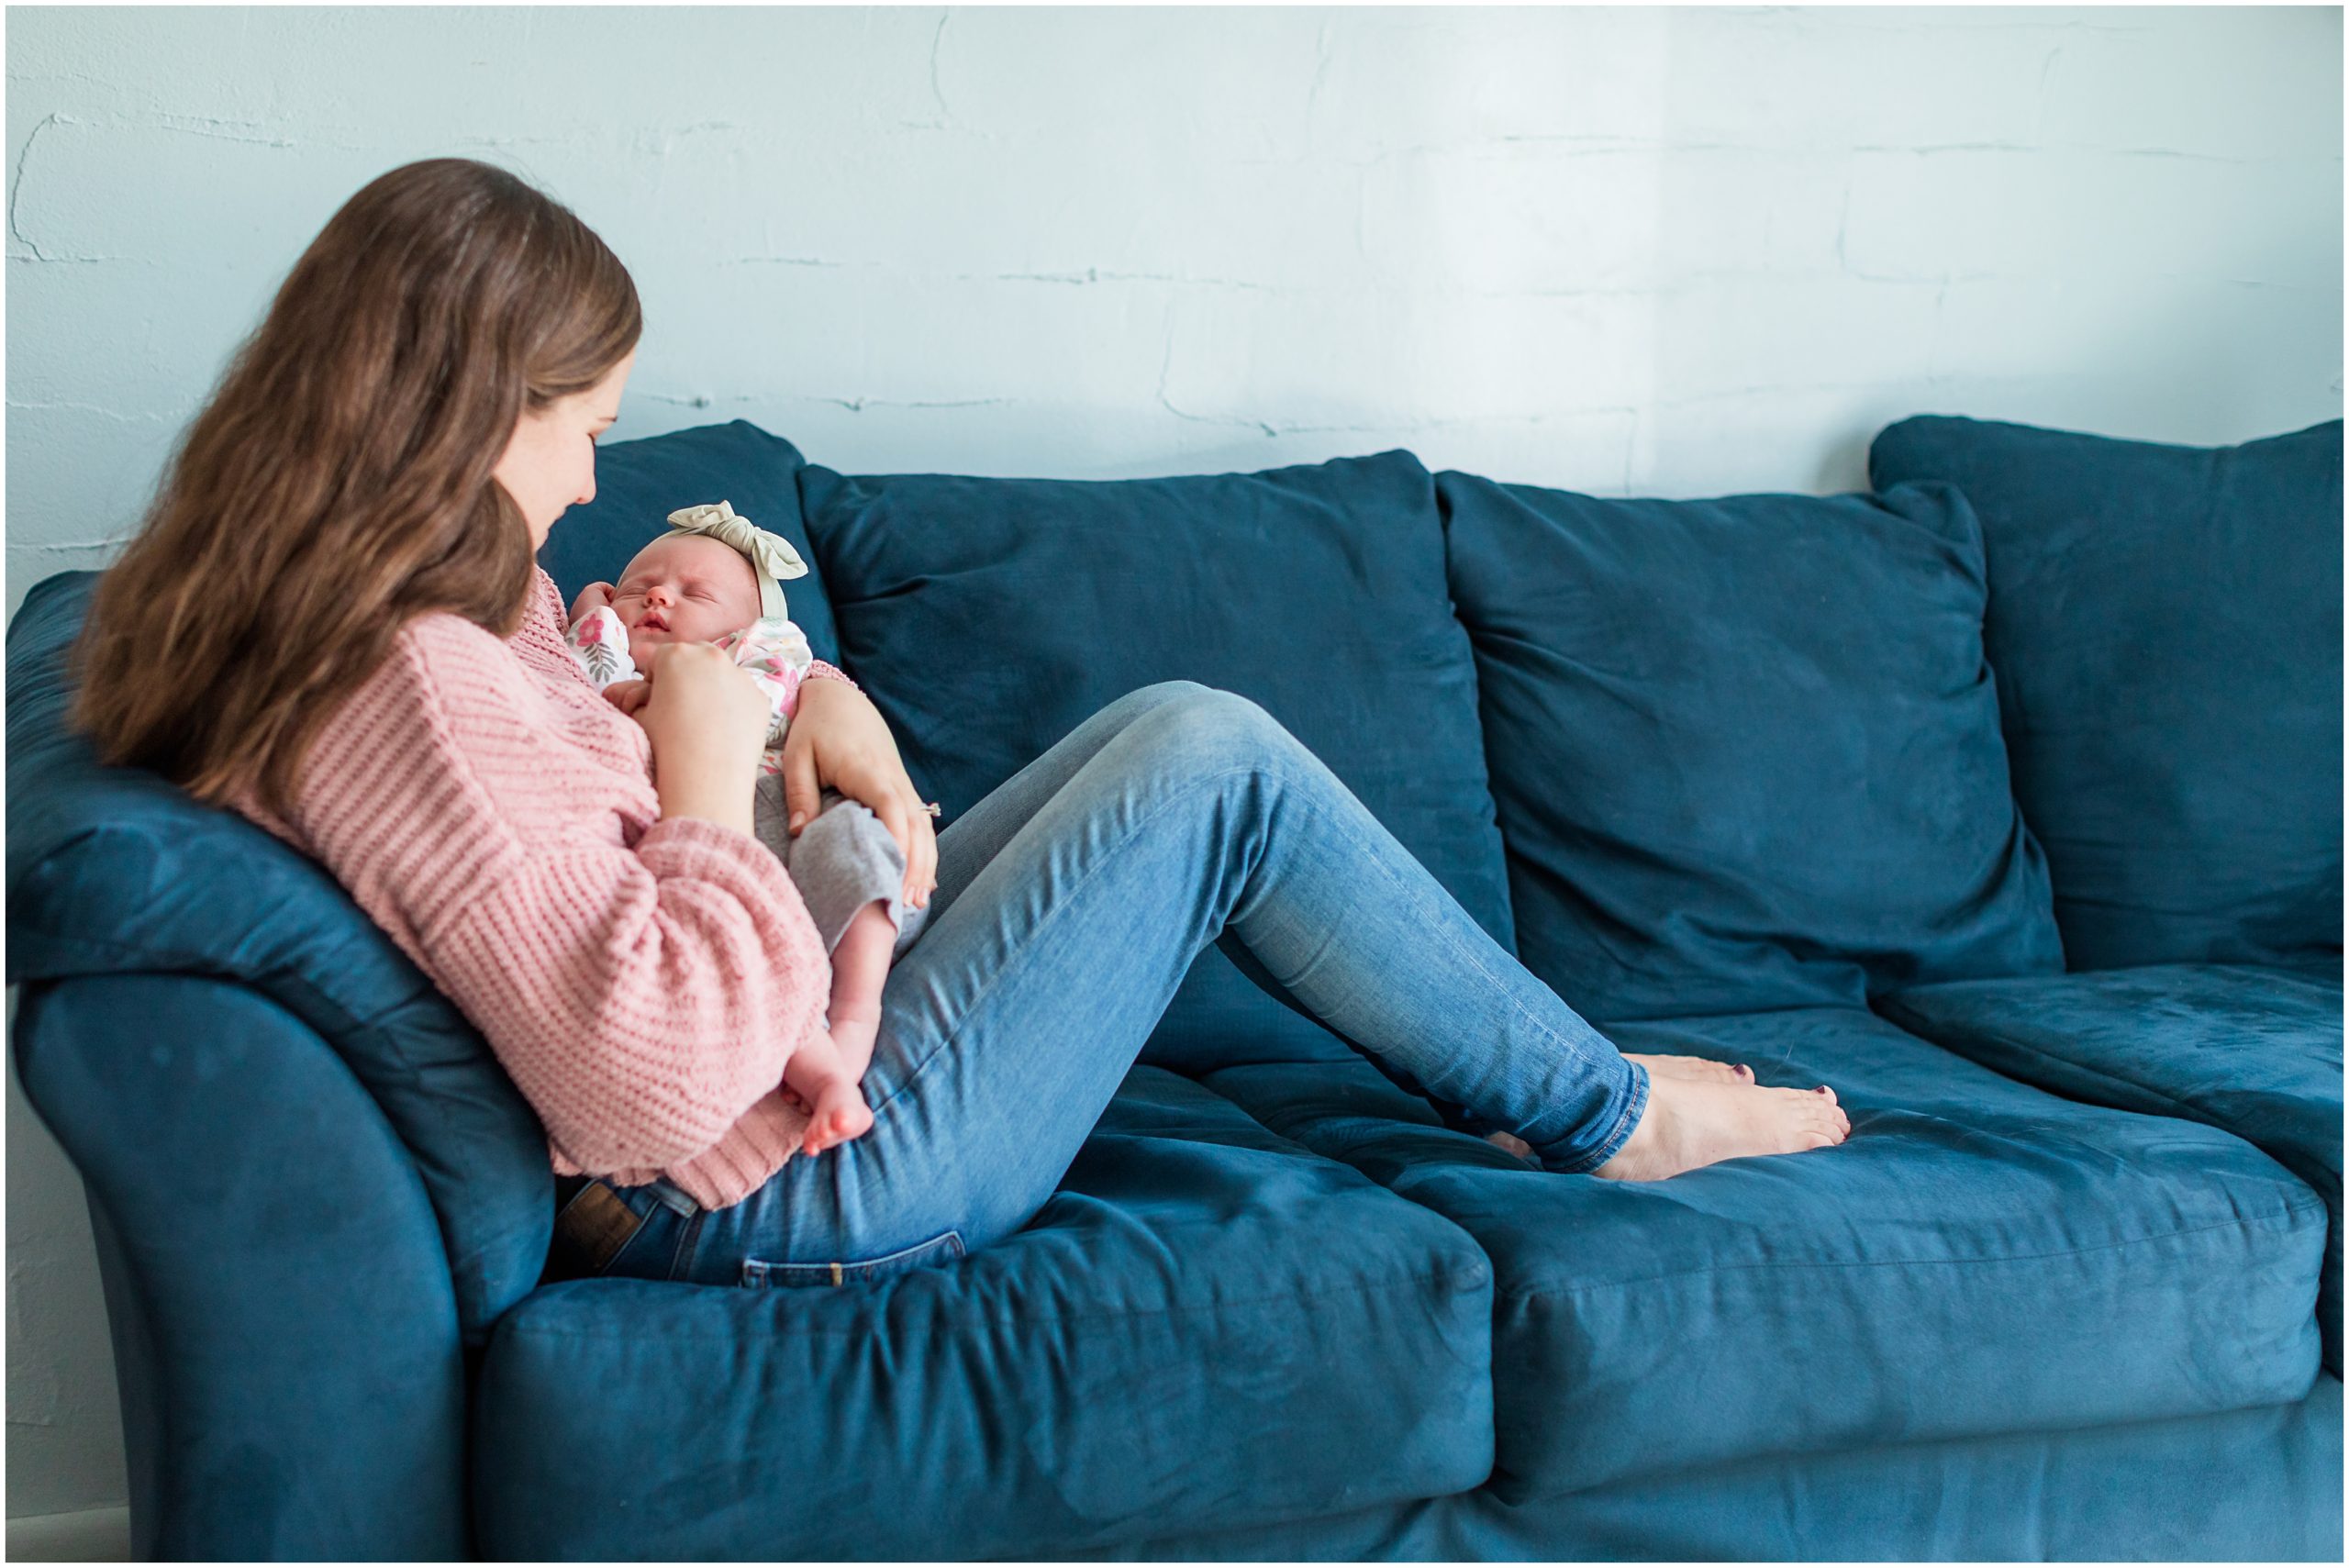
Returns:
<point x="1696" y="1067"/>
<point x="1690" y="1123"/>
<point x="840" y="1115"/>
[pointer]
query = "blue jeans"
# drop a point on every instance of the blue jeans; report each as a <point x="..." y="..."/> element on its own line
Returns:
<point x="1070" y="904"/>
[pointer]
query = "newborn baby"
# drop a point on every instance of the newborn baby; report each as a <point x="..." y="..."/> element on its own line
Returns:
<point x="713" y="580"/>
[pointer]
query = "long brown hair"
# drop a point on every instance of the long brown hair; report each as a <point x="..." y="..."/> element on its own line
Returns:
<point x="339" y="481"/>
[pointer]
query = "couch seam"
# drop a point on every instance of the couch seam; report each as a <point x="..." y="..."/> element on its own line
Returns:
<point x="2316" y="1205"/>
<point x="1440" y="1277"/>
<point x="1628" y="1120"/>
<point x="205" y="966"/>
<point x="2184" y="1110"/>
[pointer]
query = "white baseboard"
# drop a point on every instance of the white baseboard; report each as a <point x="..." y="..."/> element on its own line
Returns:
<point x="97" y="1535"/>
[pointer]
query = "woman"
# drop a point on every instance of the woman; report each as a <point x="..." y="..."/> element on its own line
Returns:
<point x="332" y="621"/>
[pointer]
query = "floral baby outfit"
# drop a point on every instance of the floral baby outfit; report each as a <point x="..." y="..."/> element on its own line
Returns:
<point x="771" y="648"/>
<point x="843" y="858"/>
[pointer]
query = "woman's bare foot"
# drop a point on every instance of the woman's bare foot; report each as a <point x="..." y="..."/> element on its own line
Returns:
<point x="1692" y="1067"/>
<point x="1689" y="1122"/>
<point x="1696" y="1067"/>
<point x="840" y="1115"/>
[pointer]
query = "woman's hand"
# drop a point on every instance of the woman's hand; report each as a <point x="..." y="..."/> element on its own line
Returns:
<point x="629" y="696"/>
<point x="839" y="737"/>
<point x="707" y="719"/>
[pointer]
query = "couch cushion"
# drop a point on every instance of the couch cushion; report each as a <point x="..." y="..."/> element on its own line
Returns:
<point x="1980" y="1257"/>
<point x="989" y="618"/>
<point x="1744" y="750"/>
<point x="639" y="483"/>
<point x="113" y="871"/>
<point x="1205" y="1326"/>
<point x="2166" y="626"/>
<point x="2258" y="1485"/>
<point x="2256" y="1050"/>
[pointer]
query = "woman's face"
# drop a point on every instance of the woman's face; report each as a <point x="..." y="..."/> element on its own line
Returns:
<point x="550" y="462"/>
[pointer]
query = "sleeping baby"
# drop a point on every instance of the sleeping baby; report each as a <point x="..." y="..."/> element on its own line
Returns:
<point x="713" y="578"/>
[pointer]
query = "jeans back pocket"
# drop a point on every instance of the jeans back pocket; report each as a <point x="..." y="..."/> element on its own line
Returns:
<point x="760" y="1273"/>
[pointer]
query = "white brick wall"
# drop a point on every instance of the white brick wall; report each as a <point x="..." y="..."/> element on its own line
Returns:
<point x="1657" y="252"/>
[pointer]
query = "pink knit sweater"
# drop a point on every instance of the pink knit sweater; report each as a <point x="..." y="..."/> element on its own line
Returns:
<point x="641" y="980"/>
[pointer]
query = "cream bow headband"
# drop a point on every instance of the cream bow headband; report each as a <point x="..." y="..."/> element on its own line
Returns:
<point x="770" y="555"/>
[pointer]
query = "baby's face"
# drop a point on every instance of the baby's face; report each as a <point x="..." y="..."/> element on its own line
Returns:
<point x="684" y="588"/>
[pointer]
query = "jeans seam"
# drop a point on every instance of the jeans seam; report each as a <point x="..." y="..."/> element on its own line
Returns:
<point x="681" y="1263"/>
<point x="954" y="1036"/>
<point x="947" y="1244"/>
<point x="1140" y="710"/>
<point x="1627" y="1120"/>
<point x="1625" y="1124"/>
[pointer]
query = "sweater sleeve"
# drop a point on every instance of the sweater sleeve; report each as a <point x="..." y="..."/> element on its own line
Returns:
<point x="818" y="668"/>
<point x="642" y="996"/>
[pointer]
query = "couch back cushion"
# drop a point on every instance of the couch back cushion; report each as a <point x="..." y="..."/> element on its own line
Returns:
<point x="2166" y="626"/>
<point x="1745" y="750"/>
<point x="639" y="483"/>
<point x="114" y="871"/>
<point x="989" y="618"/>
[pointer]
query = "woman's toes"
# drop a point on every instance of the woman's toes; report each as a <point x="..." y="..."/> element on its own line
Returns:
<point x="1699" y="1069"/>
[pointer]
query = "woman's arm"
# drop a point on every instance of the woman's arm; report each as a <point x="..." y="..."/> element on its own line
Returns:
<point x="839" y="739"/>
<point x="641" y="996"/>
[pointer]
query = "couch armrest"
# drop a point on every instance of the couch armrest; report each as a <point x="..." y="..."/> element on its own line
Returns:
<point x="284" y="1327"/>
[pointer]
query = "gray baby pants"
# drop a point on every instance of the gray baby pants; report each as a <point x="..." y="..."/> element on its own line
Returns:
<point x="842" y="860"/>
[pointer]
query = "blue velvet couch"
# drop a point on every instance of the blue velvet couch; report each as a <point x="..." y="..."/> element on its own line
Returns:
<point x="2005" y="796"/>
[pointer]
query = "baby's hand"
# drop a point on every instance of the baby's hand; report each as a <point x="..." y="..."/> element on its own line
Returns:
<point x="628" y="695"/>
<point x="595" y="597"/>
